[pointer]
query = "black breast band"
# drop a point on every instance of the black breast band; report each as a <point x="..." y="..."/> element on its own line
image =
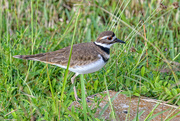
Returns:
<point x="106" y="50"/>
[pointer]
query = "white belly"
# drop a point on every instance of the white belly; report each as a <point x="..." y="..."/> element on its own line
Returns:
<point x="93" y="67"/>
<point x="89" y="68"/>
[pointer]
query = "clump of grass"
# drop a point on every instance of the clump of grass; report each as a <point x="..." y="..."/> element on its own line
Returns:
<point x="32" y="90"/>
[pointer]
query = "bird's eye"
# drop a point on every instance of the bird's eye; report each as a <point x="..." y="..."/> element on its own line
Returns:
<point x="109" y="38"/>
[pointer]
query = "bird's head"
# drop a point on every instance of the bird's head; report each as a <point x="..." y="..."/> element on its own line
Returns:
<point x="107" y="39"/>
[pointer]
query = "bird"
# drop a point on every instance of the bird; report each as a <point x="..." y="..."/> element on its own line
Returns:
<point x="85" y="58"/>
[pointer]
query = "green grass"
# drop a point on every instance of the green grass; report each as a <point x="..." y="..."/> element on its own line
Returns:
<point x="34" y="90"/>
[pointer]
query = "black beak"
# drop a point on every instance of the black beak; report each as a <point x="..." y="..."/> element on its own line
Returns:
<point x="118" y="40"/>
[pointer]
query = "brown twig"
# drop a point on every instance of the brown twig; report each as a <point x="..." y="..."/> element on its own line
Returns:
<point x="146" y="45"/>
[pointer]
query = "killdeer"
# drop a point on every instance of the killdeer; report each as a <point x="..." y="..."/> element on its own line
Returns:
<point x="86" y="57"/>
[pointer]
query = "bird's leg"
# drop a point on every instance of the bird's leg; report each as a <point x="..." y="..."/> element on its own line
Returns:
<point x="85" y="90"/>
<point x="72" y="81"/>
<point x="75" y="93"/>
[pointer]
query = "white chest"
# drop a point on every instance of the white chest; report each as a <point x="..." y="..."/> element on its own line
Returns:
<point x="89" y="68"/>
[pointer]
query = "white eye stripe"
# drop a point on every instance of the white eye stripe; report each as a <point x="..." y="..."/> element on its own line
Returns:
<point x="105" y="37"/>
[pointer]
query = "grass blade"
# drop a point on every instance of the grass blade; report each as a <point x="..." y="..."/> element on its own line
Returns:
<point x="110" y="102"/>
<point x="171" y="44"/>
<point x="138" y="115"/>
<point x="106" y="106"/>
<point x="150" y="114"/>
<point x="66" y="72"/>
<point x="83" y="97"/>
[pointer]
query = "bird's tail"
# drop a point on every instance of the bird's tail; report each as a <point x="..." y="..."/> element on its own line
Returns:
<point x="27" y="57"/>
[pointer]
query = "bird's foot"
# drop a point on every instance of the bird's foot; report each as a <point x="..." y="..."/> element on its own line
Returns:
<point x="91" y="97"/>
<point x="78" y="99"/>
<point x="88" y="99"/>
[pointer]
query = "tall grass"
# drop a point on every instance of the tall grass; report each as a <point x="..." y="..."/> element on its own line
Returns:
<point x="33" y="90"/>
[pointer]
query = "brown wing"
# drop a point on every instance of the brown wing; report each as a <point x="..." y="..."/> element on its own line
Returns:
<point x="83" y="53"/>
